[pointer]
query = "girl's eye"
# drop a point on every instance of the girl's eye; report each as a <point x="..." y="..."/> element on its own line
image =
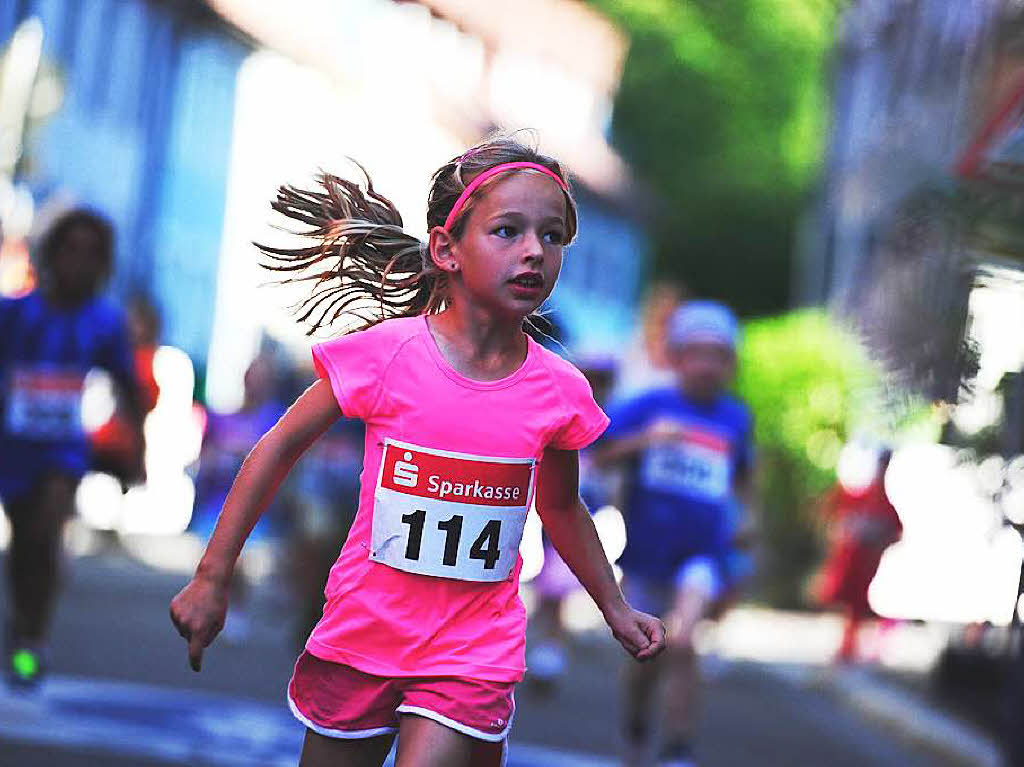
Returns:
<point x="505" y="231"/>
<point x="555" y="238"/>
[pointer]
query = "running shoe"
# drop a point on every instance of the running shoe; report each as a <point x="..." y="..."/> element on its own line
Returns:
<point x="25" y="668"/>
<point x="547" y="661"/>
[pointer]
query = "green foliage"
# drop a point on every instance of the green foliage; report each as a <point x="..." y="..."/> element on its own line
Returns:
<point x="808" y="384"/>
<point x="722" y="108"/>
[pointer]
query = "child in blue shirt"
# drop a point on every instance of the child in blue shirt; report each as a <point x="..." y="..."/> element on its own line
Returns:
<point x="49" y="340"/>
<point x="687" y="455"/>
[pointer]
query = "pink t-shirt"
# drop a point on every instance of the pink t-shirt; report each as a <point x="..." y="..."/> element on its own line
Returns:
<point x="427" y="583"/>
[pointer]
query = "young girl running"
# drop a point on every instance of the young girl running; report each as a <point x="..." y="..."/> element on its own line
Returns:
<point x="468" y="421"/>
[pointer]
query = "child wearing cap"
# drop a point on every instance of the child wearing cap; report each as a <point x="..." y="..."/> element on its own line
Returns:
<point x="687" y="455"/>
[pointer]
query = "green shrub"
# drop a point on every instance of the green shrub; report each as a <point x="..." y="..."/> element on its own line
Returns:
<point x="808" y="383"/>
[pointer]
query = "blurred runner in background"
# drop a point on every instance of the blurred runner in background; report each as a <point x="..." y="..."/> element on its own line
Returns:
<point x="115" y="446"/>
<point x="228" y="439"/>
<point x="546" y="658"/>
<point x="49" y="340"/>
<point x="326" y="498"/>
<point x="688" y="455"/>
<point x="863" y="523"/>
<point x="645" y="364"/>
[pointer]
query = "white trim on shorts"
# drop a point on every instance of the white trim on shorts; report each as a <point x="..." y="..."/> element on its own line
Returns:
<point x="457" y="726"/>
<point x="466" y="729"/>
<point x="331" y="733"/>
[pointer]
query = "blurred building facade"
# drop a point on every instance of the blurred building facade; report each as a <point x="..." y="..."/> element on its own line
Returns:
<point x="141" y="133"/>
<point x="919" y="241"/>
<point x="178" y="118"/>
<point x="910" y="213"/>
<point x="404" y="86"/>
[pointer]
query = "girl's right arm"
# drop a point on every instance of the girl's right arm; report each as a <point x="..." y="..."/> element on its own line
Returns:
<point x="199" y="609"/>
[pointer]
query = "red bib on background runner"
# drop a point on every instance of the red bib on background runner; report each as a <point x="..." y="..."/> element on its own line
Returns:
<point x="696" y="464"/>
<point x="45" y="402"/>
<point x="447" y="514"/>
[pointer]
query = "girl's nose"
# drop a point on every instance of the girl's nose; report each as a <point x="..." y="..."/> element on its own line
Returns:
<point x="533" y="248"/>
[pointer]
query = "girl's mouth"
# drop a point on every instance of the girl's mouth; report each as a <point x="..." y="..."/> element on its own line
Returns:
<point x="530" y="281"/>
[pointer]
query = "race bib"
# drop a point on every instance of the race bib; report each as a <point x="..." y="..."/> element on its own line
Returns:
<point x="697" y="465"/>
<point x="45" y="403"/>
<point x="451" y="515"/>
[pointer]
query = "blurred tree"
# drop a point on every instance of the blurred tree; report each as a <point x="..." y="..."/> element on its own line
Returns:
<point x="809" y="385"/>
<point x="723" y="108"/>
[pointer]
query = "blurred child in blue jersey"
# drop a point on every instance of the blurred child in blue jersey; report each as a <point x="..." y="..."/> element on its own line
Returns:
<point x="49" y="340"/>
<point x="687" y="454"/>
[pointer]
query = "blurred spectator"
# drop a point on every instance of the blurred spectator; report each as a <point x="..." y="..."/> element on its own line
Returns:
<point x="546" y="658"/>
<point x="862" y="523"/>
<point x="645" y="364"/>
<point x="49" y="340"/>
<point x="326" y="497"/>
<point x="227" y="441"/>
<point x="688" y="455"/>
<point x="115" y="446"/>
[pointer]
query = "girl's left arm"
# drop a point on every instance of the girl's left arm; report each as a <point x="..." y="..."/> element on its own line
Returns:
<point x="571" y="529"/>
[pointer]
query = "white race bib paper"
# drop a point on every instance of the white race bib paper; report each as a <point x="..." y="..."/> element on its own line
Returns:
<point x="451" y="515"/>
<point x="45" y="403"/>
<point x="697" y="464"/>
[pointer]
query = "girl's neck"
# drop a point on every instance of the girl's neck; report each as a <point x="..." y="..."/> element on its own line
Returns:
<point x="477" y="345"/>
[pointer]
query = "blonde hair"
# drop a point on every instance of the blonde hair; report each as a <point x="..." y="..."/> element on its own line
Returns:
<point x="361" y="251"/>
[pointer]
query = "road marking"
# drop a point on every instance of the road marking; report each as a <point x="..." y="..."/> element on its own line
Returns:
<point x="184" y="725"/>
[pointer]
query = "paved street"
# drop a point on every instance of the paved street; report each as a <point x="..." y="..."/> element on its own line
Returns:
<point x="122" y="694"/>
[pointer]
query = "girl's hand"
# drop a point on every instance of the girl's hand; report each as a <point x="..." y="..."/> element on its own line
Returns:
<point x="641" y="634"/>
<point x="198" y="612"/>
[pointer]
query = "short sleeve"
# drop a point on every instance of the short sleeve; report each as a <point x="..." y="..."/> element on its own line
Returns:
<point x="584" y="421"/>
<point x="354" y="365"/>
<point x="627" y="417"/>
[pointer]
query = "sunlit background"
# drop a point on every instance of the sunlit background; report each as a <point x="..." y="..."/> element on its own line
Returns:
<point x="846" y="175"/>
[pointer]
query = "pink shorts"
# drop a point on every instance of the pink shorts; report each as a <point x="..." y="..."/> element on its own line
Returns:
<point x="342" y="702"/>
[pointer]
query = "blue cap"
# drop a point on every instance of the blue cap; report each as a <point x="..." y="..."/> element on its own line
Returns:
<point x="703" y="322"/>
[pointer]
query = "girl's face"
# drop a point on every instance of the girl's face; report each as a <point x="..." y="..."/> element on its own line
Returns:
<point x="77" y="263"/>
<point x="510" y="252"/>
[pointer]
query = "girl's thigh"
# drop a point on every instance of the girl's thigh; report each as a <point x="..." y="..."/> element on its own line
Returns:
<point x="487" y="754"/>
<point x="423" y="742"/>
<point x="321" y="751"/>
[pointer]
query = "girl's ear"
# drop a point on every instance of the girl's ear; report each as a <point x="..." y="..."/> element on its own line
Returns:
<point x="442" y="249"/>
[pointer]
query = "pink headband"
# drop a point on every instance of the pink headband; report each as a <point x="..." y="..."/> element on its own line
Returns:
<point x="476" y="182"/>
